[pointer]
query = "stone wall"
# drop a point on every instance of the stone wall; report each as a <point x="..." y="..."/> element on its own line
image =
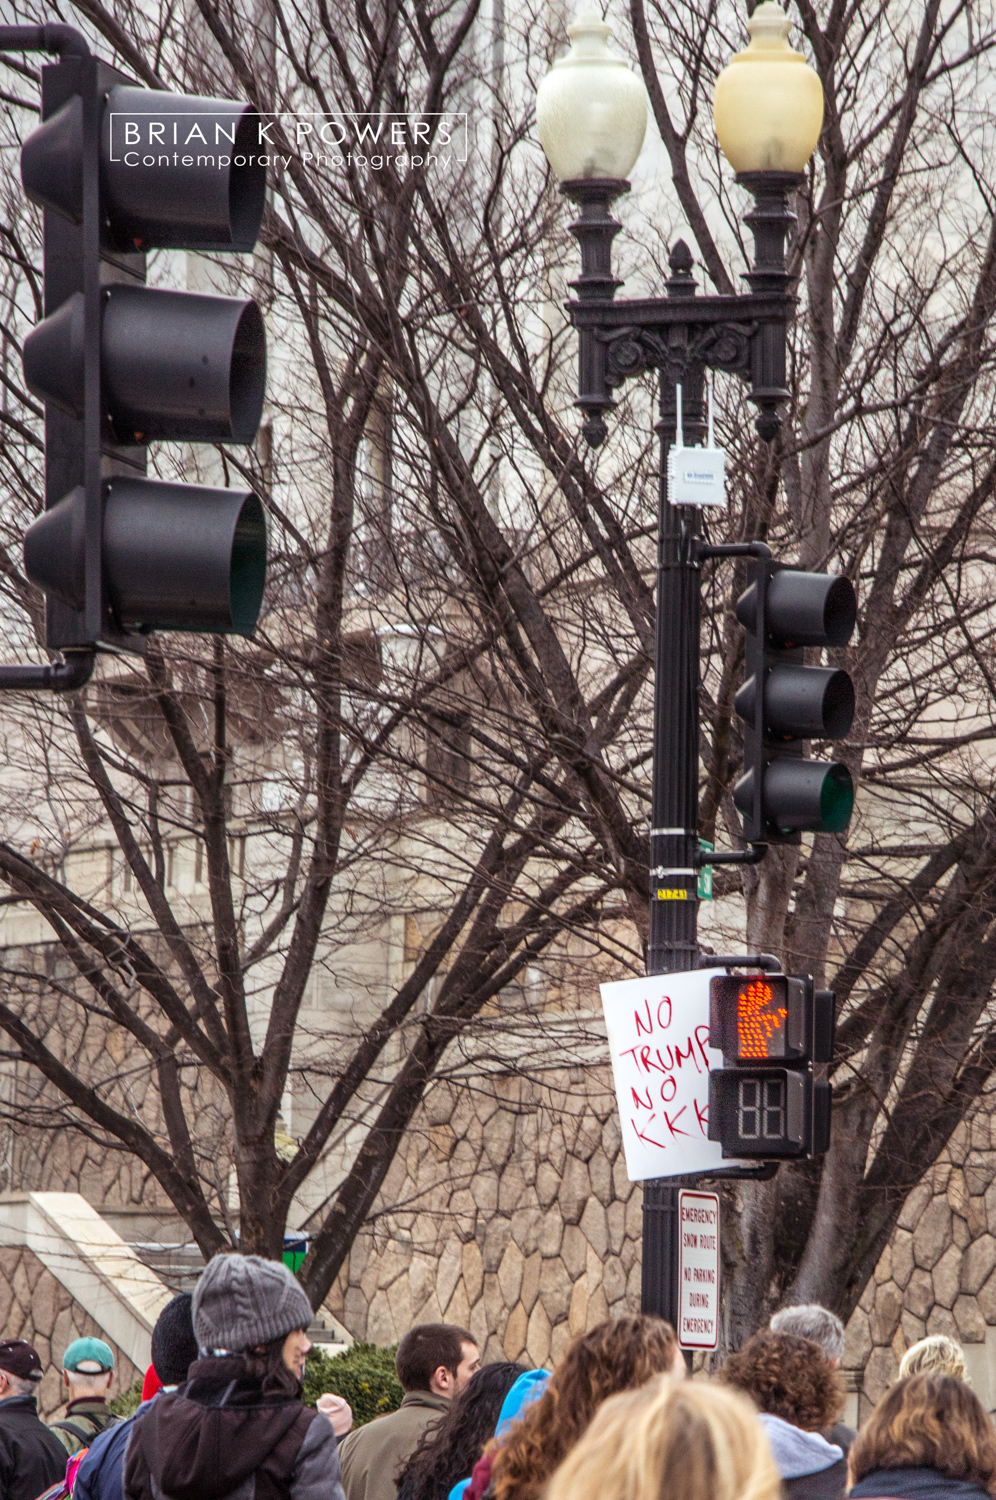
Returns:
<point x="938" y="1275"/>
<point x="37" y="1307"/>
<point x="508" y="1211"/>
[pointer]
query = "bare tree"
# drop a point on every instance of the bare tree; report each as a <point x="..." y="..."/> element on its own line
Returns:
<point x="446" y="711"/>
<point x="432" y="721"/>
<point x="882" y="471"/>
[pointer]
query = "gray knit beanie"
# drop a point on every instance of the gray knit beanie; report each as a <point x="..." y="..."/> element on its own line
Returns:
<point x="244" y="1300"/>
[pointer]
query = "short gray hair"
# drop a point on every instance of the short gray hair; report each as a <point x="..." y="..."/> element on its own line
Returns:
<point x="19" y="1386"/>
<point x="813" y="1322"/>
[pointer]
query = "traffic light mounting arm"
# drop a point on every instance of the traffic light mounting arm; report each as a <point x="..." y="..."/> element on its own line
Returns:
<point x="59" y="40"/>
<point x="74" y="672"/>
<point x="740" y="961"/>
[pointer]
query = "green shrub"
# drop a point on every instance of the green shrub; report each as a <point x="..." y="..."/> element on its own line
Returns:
<point x="128" y="1401"/>
<point x="364" y="1376"/>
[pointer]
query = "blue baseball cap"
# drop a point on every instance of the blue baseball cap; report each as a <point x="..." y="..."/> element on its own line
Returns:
<point x="88" y="1357"/>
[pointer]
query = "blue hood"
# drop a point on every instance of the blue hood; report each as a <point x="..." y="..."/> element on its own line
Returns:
<point x="528" y="1388"/>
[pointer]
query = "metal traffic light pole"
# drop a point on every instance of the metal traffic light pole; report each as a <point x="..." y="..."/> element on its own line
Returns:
<point x="680" y="335"/>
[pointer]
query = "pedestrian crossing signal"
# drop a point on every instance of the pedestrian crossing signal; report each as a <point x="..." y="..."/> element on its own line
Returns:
<point x="773" y="1030"/>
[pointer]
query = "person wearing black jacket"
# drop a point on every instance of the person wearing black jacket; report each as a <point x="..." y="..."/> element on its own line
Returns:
<point x="237" y="1426"/>
<point x="929" y="1438"/>
<point x="101" y="1474"/>
<point x="31" y="1457"/>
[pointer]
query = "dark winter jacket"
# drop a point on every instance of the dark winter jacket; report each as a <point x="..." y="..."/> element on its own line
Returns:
<point x="825" y="1484"/>
<point x="842" y="1435"/>
<point x="31" y="1457"/>
<point x="234" y="1429"/>
<point x="811" y="1468"/>
<point x="916" y="1484"/>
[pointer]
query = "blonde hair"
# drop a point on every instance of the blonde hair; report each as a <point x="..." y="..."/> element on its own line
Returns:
<point x="689" y="1440"/>
<point x="936" y="1355"/>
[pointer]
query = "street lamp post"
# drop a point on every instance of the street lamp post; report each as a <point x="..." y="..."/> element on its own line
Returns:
<point x="591" y="116"/>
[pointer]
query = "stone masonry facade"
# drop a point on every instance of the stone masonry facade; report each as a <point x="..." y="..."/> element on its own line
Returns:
<point x="509" y="1212"/>
<point x="511" y="1215"/>
<point x="35" y="1306"/>
<point x="938" y="1274"/>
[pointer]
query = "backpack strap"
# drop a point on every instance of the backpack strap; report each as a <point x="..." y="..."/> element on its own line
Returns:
<point x="78" y="1432"/>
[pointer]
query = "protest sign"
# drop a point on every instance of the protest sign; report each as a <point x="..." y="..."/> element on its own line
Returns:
<point x="658" y="1030"/>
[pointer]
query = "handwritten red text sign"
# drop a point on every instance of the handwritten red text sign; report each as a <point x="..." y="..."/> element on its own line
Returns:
<point x="658" y="1032"/>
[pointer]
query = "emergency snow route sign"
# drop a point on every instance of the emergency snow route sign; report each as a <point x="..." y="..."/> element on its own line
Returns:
<point x="698" y="1270"/>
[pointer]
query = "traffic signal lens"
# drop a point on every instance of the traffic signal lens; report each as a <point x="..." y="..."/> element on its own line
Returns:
<point x="836" y="799"/>
<point x="184" y="557"/>
<point x="761" y="1017"/>
<point x="840" y="612"/>
<point x="174" y="365"/>
<point x="801" y="702"/>
<point x="214" y="197"/>
<point x="763" y="1114"/>
<point x="175" y="556"/>
<point x="809" y="609"/>
<point x="761" y="1109"/>
<point x="248" y="571"/>
<point x="182" y="366"/>
<point x="805" y="795"/>
<point x="838" y="705"/>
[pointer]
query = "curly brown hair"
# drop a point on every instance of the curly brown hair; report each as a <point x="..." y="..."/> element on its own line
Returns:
<point x="618" y="1355"/>
<point x="928" y="1422"/>
<point x="788" y="1377"/>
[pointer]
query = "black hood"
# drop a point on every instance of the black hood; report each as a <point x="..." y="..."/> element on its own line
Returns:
<point x="204" y="1440"/>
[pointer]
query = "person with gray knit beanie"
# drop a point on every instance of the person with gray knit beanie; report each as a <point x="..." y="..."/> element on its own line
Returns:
<point x="242" y="1301"/>
<point x="237" y="1429"/>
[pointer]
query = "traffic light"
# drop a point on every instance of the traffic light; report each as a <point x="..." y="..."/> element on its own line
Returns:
<point x="784" y="703"/>
<point x="121" y="170"/>
<point x="766" y="1101"/>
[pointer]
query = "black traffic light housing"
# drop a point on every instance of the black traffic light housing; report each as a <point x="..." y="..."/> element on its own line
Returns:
<point x="773" y="1030"/>
<point x="784" y="703"/>
<point x="120" y="170"/>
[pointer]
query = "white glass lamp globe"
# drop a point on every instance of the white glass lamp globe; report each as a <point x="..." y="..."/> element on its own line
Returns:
<point x="768" y="104"/>
<point x="591" y="110"/>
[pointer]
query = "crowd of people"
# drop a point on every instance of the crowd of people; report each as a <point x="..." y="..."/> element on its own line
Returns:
<point x="617" y="1419"/>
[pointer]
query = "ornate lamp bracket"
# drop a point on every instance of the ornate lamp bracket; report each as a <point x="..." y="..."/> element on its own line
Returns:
<point x="740" y="335"/>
